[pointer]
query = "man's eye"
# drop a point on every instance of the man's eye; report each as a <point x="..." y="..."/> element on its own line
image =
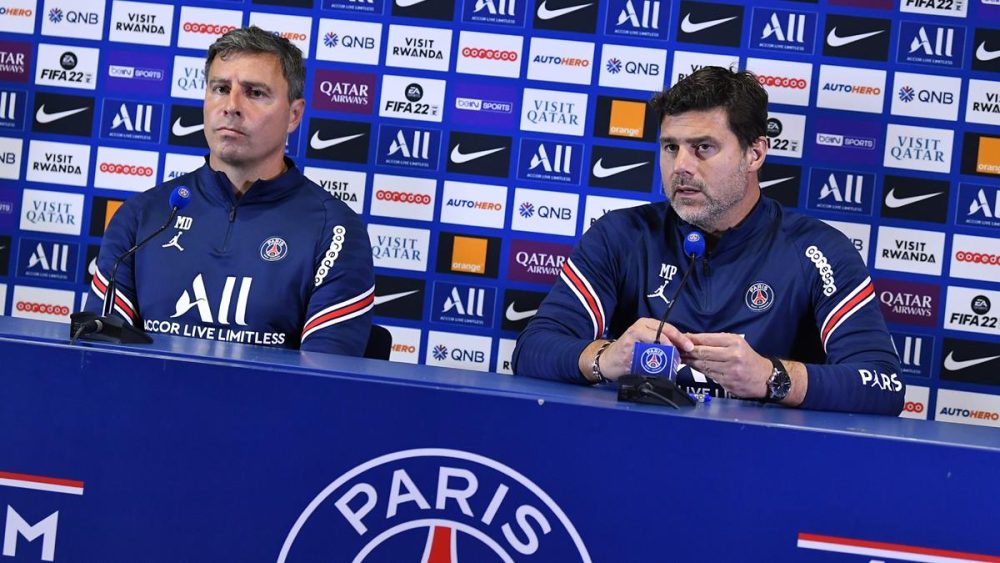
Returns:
<point x="256" y="93"/>
<point x="670" y="148"/>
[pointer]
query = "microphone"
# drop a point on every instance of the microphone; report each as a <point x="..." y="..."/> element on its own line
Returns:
<point x="653" y="374"/>
<point x="107" y="327"/>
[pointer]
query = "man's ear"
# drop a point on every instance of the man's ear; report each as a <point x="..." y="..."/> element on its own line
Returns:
<point x="756" y="153"/>
<point x="295" y="114"/>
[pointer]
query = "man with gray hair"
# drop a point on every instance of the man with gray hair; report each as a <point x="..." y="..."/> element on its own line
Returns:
<point x="262" y="255"/>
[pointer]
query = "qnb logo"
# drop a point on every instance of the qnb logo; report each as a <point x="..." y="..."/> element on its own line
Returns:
<point x="825" y="270"/>
<point x="185" y="303"/>
<point x="908" y="94"/>
<point x="126" y="169"/>
<point x="440" y="505"/>
<point x="969" y="413"/>
<point x="614" y="66"/>
<point x="43" y="308"/>
<point x="978" y="258"/>
<point x="489" y="54"/>
<point x="207" y="28"/>
<point x="880" y="380"/>
<point x="403" y="197"/>
<point x="782" y="82"/>
<point x="331" y="40"/>
<point x="852" y="89"/>
<point x="941" y="46"/>
<point x="564" y="61"/>
<point x="913" y="406"/>
<point x="528" y="210"/>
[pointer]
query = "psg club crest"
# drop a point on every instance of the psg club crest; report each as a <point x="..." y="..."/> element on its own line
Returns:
<point x="433" y="505"/>
<point x="273" y="249"/>
<point x="654" y="360"/>
<point x="759" y="297"/>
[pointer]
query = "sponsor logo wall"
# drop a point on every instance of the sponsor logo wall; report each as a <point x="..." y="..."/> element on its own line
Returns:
<point x="479" y="139"/>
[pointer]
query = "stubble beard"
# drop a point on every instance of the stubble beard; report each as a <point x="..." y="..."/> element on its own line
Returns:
<point x="710" y="215"/>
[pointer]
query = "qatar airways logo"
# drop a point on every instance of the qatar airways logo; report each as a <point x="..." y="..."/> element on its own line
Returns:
<point x="429" y="498"/>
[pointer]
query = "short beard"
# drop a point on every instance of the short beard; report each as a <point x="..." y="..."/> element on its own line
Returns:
<point x="709" y="217"/>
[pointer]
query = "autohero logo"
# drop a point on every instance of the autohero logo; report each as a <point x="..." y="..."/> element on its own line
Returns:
<point x="783" y="30"/>
<point x="333" y="139"/>
<point x="540" y="211"/>
<point x="918" y="148"/>
<point x="12" y="109"/>
<point x="578" y="16"/>
<point x="469" y="255"/>
<point x="403" y="197"/>
<point x="425" y="9"/>
<point x="916" y="199"/>
<point x="854" y="37"/>
<point x="970" y="361"/>
<point x="908" y="302"/>
<point x="176" y="165"/>
<point x="914" y="351"/>
<point x="838" y="190"/>
<point x="489" y="54"/>
<point x="536" y="262"/>
<point x="347" y="92"/>
<point x="18" y="16"/>
<point x="140" y="22"/>
<point x="975" y="258"/>
<point x="550" y="161"/>
<point x="409" y="147"/>
<point x="73" y="19"/>
<point x="349" y="41"/>
<point x="418" y="47"/>
<point x="463" y="304"/>
<point x="15" y="59"/>
<point x="920" y="95"/>
<point x="785" y="134"/>
<point x="972" y="310"/>
<point x="346" y="185"/>
<point x="49" y="260"/>
<point x="968" y="408"/>
<point x="907" y="250"/>
<point x="847" y="140"/>
<point x="458" y="351"/>
<point x="200" y="27"/>
<point x="849" y="88"/>
<point x="621" y="169"/>
<point x="51" y="212"/>
<point x="476" y="205"/>
<point x="952" y="8"/>
<point x="550" y="111"/>
<point x="494" y="12"/>
<point x="63" y="115"/>
<point x="58" y="163"/>
<point x="68" y="67"/>
<point x="296" y="29"/>
<point x="931" y="45"/>
<point x="786" y="82"/>
<point x="135" y="73"/>
<point x="710" y="24"/>
<point x="638" y="18"/>
<point x="624" y="118"/>
<point x="635" y="68"/>
<point x="421" y="99"/>
<point x="399" y="247"/>
<point x="978" y="206"/>
<point x="483" y="155"/>
<point x="557" y="60"/>
<point x="131" y="121"/>
<point x="426" y="499"/>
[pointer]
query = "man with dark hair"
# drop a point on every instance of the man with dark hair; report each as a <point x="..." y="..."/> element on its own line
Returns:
<point x="781" y="307"/>
<point x="262" y="255"/>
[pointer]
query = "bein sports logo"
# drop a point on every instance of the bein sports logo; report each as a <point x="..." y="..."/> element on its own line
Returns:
<point x="445" y="504"/>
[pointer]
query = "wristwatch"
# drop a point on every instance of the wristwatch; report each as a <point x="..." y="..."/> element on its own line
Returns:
<point x="779" y="384"/>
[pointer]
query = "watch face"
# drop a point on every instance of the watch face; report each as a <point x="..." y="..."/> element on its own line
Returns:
<point x="778" y="385"/>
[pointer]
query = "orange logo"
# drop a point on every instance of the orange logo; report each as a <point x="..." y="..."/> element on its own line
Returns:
<point x="469" y="255"/>
<point x="627" y="119"/>
<point x="988" y="161"/>
<point x="109" y="211"/>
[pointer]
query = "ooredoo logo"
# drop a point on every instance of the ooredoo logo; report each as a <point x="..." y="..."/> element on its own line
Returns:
<point x="424" y="500"/>
<point x="207" y="28"/>
<point x="783" y="82"/>
<point x="403" y="197"/>
<point x="126" y="169"/>
<point x="489" y="54"/>
<point x="41" y="308"/>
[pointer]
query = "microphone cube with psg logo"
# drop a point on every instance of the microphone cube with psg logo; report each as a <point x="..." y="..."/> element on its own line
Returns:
<point x="655" y="360"/>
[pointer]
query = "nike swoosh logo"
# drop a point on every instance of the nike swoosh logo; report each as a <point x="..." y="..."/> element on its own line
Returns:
<point x="985" y="55"/>
<point x="513" y="315"/>
<point x="44" y="117"/>
<point x="380" y="299"/>
<point x="601" y="172"/>
<point x="769" y="183"/>
<point x="951" y="364"/>
<point x="407" y="3"/>
<point x="687" y="26"/>
<point x="320" y="144"/>
<point x="181" y="130"/>
<point x="544" y="13"/>
<point x="834" y="40"/>
<point x="458" y="157"/>
<point x="893" y="202"/>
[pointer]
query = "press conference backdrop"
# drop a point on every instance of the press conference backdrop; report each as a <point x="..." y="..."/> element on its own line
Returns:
<point x="480" y="138"/>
